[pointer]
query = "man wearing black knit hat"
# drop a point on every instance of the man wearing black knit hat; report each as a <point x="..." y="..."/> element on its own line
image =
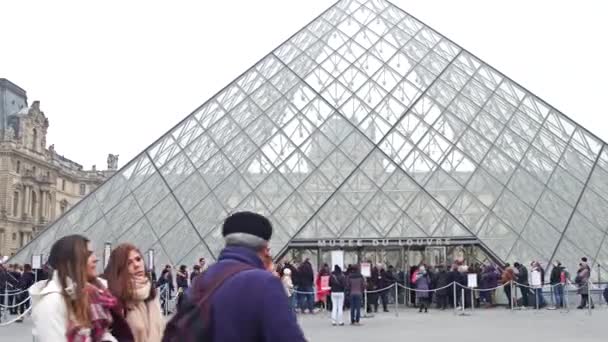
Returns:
<point x="245" y="301"/>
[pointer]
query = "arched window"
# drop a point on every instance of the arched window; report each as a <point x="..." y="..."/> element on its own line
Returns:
<point x="35" y="140"/>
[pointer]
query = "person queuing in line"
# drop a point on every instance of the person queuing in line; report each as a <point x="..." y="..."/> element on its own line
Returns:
<point x="523" y="283"/>
<point x="289" y="289"/>
<point x="13" y="298"/>
<point x="582" y="282"/>
<point x="196" y="271"/>
<point x="356" y="286"/>
<point x="293" y="299"/>
<point x="442" y="280"/>
<point x="385" y="280"/>
<point x="373" y="284"/>
<point x="323" y="293"/>
<point x="305" y="287"/>
<point x="73" y="305"/>
<point x="181" y="278"/>
<point x="202" y="263"/>
<point x="558" y="280"/>
<point x="237" y="299"/>
<point x="7" y="283"/>
<point x="538" y="288"/>
<point x="337" y="282"/>
<point x="166" y="288"/>
<point x="26" y="280"/>
<point x="507" y="278"/>
<point x="137" y="317"/>
<point x="423" y="285"/>
<point x="488" y="282"/>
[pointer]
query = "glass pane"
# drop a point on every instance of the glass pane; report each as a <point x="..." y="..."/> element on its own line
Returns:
<point x="180" y="240"/>
<point x="541" y="235"/>
<point x="207" y="214"/>
<point x="140" y="234"/>
<point x="164" y="215"/>
<point x="497" y="236"/>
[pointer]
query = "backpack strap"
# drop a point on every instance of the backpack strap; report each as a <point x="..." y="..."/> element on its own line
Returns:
<point x="207" y="290"/>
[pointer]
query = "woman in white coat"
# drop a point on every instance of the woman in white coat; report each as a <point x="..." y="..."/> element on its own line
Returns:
<point x="73" y="305"/>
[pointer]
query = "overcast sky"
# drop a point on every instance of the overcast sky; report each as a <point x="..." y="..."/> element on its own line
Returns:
<point x="114" y="76"/>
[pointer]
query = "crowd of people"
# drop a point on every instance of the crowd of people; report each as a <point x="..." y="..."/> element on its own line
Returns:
<point x="72" y="302"/>
<point x="127" y="302"/>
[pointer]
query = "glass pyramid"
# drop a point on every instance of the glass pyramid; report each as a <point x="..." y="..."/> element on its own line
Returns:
<point x="364" y="124"/>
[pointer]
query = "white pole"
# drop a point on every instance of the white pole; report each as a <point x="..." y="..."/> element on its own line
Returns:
<point x="455" y="299"/>
<point x="589" y="296"/>
<point x="511" y="294"/>
<point x="472" y="299"/>
<point x="462" y="299"/>
<point x="396" y="299"/>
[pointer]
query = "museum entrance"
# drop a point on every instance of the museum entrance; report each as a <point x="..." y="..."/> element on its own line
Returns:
<point x="400" y="257"/>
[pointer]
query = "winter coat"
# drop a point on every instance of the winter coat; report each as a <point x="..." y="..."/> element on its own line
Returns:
<point x="522" y="277"/>
<point x="6" y="279"/>
<point x="489" y="278"/>
<point x="26" y="281"/>
<point x="507" y="276"/>
<point x="386" y="278"/>
<point x="306" y="276"/>
<point x="182" y="280"/>
<point x="443" y="278"/>
<point x="556" y="274"/>
<point x="49" y="311"/>
<point x="356" y="284"/>
<point x="250" y="305"/>
<point x="337" y="282"/>
<point x="193" y="276"/>
<point x="423" y="282"/>
<point x="582" y="280"/>
<point x="287" y="284"/>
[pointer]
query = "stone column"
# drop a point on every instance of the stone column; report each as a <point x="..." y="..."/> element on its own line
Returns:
<point x="42" y="213"/>
<point x="26" y="199"/>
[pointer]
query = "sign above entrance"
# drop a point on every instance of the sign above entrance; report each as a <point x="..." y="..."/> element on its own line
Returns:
<point x="409" y="242"/>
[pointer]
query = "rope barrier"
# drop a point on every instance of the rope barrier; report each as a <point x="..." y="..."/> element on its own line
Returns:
<point x="433" y="290"/>
<point x="15" y="305"/>
<point x="16" y="293"/>
<point x="16" y="318"/>
<point x="480" y="289"/>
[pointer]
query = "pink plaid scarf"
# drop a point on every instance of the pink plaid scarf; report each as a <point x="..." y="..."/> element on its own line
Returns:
<point x="100" y="304"/>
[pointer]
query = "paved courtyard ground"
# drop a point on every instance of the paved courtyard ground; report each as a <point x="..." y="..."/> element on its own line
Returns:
<point x="495" y="325"/>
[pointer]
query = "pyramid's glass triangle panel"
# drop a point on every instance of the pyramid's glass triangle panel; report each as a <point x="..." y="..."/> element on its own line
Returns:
<point x="365" y="124"/>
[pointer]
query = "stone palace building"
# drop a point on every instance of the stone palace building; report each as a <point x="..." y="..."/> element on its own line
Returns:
<point x="37" y="184"/>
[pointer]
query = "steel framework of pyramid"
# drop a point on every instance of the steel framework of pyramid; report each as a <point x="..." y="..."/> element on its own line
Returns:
<point x="364" y="124"/>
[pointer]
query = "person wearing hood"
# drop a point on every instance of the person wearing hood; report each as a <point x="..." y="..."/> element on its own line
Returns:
<point x="489" y="281"/>
<point x="237" y="299"/>
<point x="74" y="304"/>
<point x="288" y="285"/>
<point x="356" y="286"/>
<point x="137" y="317"/>
<point x="337" y="282"/>
<point x="423" y="285"/>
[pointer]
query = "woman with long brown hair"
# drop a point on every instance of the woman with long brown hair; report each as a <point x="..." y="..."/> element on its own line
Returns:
<point x="138" y="301"/>
<point x="73" y="304"/>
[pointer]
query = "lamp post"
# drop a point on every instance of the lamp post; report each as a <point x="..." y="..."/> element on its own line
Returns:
<point x="107" y="250"/>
